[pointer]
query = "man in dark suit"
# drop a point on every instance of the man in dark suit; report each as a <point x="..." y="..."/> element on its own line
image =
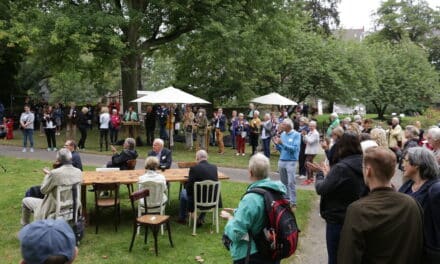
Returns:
<point x="128" y="153"/>
<point x="200" y="172"/>
<point x="76" y="159"/>
<point x="161" y="153"/>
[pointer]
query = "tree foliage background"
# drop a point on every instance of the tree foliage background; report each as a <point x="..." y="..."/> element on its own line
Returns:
<point x="225" y="51"/>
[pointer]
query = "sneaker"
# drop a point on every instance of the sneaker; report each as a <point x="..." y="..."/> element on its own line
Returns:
<point x="302" y="177"/>
<point x="54" y="149"/>
<point x="24" y="150"/>
<point x="48" y="149"/>
<point x="237" y="154"/>
<point x="243" y="154"/>
<point x="32" y="150"/>
<point x="307" y="182"/>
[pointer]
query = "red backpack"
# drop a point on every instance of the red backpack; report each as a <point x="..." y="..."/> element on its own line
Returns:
<point x="279" y="237"/>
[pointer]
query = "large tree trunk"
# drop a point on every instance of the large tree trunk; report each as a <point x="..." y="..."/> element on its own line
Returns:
<point x="130" y="77"/>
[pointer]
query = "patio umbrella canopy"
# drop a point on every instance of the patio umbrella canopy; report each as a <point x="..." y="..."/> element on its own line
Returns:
<point x="143" y="99"/>
<point x="273" y="99"/>
<point x="171" y="95"/>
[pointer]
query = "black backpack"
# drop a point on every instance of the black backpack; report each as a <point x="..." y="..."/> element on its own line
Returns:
<point x="279" y="237"/>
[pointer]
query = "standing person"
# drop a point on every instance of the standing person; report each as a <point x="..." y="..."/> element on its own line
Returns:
<point x="394" y="134"/>
<point x="250" y="113"/>
<point x="162" y="115"/>
<point x="2" y="112"/>
<point x="241" y="127"/>
<point x="250" y="213"/>
<point x="50" y="129"/>
<point x="433" y="138"/>
<point x="412" y="140"/>
<point x="131" y="116"/>
<point x="115" y="125"/>
<point x="422" y="171"/>
<point x="150" y="124"/>
<point x="71" y="122"/>
<point x="201" y="124"/>
<point x="254" y="131"/>
<point x="288" y="144"/>
<point x="266" y="130"/>
<point x="385" y="226"/>
<point x="58" y="116"/>
<point x="334" y="122"/>
<point x="83" y="125"/>
<point x="170" y="125"/>
<point x="303" y="129"/>
<point x="104" y="121"/>
<point x="200" y="172"/>
<point x="220" y="127"/>
<point x="231" y="128"/>
<point x="339" y="186"/>
<point x="27" y="125"/>
<point x="311" y="140"/>
<point x="188" y="125"/>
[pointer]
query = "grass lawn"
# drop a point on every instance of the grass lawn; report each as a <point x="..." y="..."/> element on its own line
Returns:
<point x="110" y="246"/>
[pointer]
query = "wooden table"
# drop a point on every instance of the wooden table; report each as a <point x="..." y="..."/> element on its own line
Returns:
<point x="130" y="177"/>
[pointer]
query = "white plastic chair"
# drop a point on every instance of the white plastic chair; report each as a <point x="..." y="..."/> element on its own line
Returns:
<point x="206" y="199"/>
<point x="156" y="200"/>
<point x="64" y="204"/>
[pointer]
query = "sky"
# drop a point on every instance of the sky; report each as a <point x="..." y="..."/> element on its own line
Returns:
<point x="358" y="13"/>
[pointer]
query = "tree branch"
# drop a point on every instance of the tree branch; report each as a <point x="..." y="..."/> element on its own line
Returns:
<point x="152" y="42"/>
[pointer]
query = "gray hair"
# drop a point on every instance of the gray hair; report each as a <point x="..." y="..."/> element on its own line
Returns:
<point x="412" y="131"/>
<point x="259" y="166"/>
<point x="131" y="143"/>
<point x="288" y="122"/>
<point x="357" y="118"/>
<point x="201" y="155"/>
<point x="425" y="160"/>
<point x="256" y="112"/>
<point x="151" y="163"/>
<point x="435" y="133"/>
<point x="312" y="123"/>
<point x="395" y="119"/>
<point x="379" y="135"/>
<point x="158" y="141"/>
<point x="347" y="119"/>
<point x="64" y="156"/>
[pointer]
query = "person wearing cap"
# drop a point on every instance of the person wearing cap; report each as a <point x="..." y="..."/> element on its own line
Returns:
<point x="47" y="241"/>
<point x="64" y="174"/>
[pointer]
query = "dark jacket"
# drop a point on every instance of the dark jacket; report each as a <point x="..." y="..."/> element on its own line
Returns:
<point x="343" y="185"/>
<point x="428" y="197"/>
<point x="221" y="122"/>
<point x="165" y="159"/>
<point x="383" y="227"/>
<point x="82" y="120"/>
<point x="76" y="160"/>
<point x="150" y="120"/>
<point x="120" y="160"/>
<point x="200" y="172"/>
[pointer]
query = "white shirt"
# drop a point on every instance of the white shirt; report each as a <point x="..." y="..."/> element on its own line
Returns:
<point x="312" y="142"/>
<point x="104" y="120"/>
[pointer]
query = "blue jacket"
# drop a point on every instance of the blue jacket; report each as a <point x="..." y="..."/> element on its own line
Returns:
<point x="249" y="216"/>
<point x="290" y="146"/>
<point x="221" y="122"/>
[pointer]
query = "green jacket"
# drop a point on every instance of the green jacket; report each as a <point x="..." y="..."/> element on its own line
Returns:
<point x="249" y="215"/>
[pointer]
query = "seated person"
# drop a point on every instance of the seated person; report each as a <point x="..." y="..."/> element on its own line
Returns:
<point x="161" y="153"/>
<point x="128" y="153"/>
<point x="76" y="159"/>
<point x="65" y="174"/>
<point x="200" y="172"/>
<point x="151" y="175"/>
<point x="48" y="241"/>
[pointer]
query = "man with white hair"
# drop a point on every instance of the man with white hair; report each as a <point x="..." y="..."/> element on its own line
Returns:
<point x="65" y="174"/>
<point x="161" y="153"/>
<point x="200" y="172"/>
<point x="433" y="138"/>
<point x="288" y="144"/>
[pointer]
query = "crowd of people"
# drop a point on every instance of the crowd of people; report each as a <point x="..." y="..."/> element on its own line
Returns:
<point x="367" y="216"/>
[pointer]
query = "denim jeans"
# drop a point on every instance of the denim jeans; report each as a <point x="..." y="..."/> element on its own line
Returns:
<point x="266" y="147"/>
<point x="28" y="134"/>
<point x="287" y="169"/>
<point x="332" y="235"/>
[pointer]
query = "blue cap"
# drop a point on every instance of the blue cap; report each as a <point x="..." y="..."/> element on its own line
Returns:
<point x="44" y="238"/>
